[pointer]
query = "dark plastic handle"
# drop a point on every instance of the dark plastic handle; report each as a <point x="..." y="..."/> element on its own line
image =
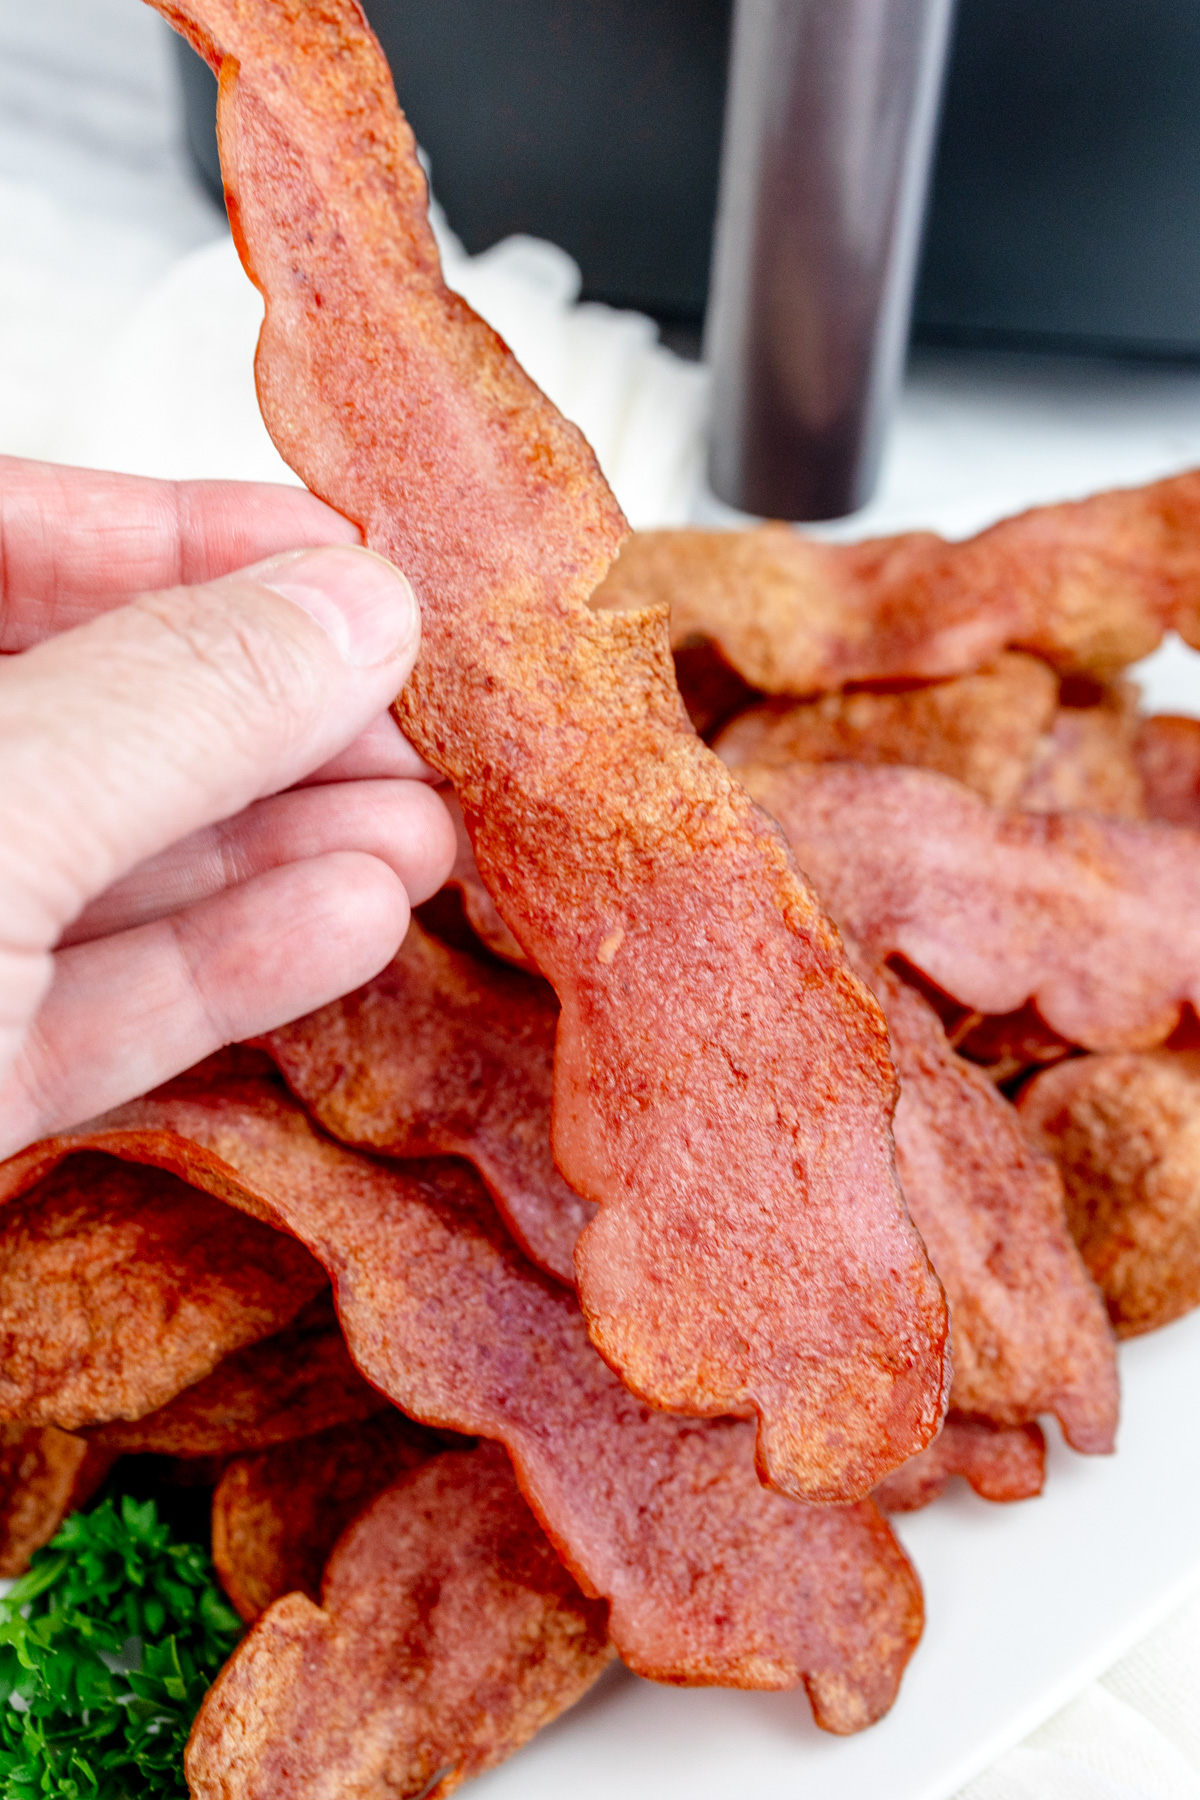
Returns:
<point x="828" y="136"/>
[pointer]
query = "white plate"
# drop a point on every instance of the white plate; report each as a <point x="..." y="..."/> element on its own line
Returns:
<point x="1025" y="1604"/>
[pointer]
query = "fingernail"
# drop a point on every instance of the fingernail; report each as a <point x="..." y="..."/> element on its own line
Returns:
<point x="364" y="604"/>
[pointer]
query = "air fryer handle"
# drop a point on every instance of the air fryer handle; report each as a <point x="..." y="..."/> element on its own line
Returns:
<point x="828" y="138"/>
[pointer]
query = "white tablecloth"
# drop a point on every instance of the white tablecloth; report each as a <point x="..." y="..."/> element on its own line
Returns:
<point x="126" y="331"/>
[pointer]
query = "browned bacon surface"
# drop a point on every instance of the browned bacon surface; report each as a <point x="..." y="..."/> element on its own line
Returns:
<point x="276" y="1514"/>
<point x="293" y="1384"/>
<point x="1028" y="1327"/>
<point x="1003" y="731"/>
<point x="446" y="1054"/>
<point x="1001" y="1462"/>
<point x="119" y="1286"/>
<point x="1089" y="586"/>
<point x="711" y="1577"/>
<point x="984" y="729"/>
<point x="721" y="1084"/>
<point x="448" y="1634"/>
<point x="1095" y="920"/>
<point x="44" y="1474"/>
<point x="1125" y="1131"/>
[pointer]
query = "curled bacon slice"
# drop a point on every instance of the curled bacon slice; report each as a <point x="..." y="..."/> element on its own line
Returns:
<point x="722" y="1086"/>
<point x="286" y="1386"/>
<point x="1125" y="1131"/>
<point x="119" y="1286"/>
<point x="276" y="1514"/>
<point x="1001" y="1462"/>
<point x="1089" y="586"/>
<point x="44" y="1474"/>
<point x="711" y="1577"/>
<point x="1030" y="1333"/>
<point x="444" y="1053"/>
<point x="448" y="1634"/>
<point x="1001" y="732"/>
<point x="1095" y="920"/>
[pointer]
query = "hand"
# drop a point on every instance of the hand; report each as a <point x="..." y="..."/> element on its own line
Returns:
<point x="209" y="823"/>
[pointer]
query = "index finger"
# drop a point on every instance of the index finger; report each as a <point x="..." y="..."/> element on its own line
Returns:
<point x="77" y="542"/>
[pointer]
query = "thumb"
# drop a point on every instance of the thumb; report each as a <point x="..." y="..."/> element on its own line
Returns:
<point x="176" y="711"/>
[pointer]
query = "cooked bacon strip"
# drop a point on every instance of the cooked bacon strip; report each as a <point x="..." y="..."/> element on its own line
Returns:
<point x="1125" y="1131"/>
<point x="722" y="1085"/>
<point x="1089" y="586"/>
<point x="44" y="1474"/>
<point x="1167" y="752"/>
<point x="983" y="729"/>
<point x="277" y="1514"/>
<point x="1096" y="920"/>
<point x="293" y="1384"/>
<point x="1001" y="732"/>
<point x="711" y="1577"/>
<point x="1001" y="1462"/>
<point x="1030" y="1332"/>
<point x="1029" y="1329"/>
<point x="446" y="1054"/>
<point x="448" y="1634"/>
<point x="120" y="1286"/>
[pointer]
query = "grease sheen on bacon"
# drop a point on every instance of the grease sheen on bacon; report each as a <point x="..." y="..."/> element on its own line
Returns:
<point x="711" y="1577"/>
<point x="722" y="1085"/>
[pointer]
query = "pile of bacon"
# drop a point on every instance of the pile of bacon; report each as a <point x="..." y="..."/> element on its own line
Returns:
<point x="570" y="1291"/>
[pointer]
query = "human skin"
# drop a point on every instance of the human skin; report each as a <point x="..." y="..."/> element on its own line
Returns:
<point x="209" y="824"/>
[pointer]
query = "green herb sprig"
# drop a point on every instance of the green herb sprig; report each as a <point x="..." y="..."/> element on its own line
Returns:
<point x="107" y="1647"/>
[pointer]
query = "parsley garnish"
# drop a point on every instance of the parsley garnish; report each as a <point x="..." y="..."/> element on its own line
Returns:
<point x="107" y="1647"/>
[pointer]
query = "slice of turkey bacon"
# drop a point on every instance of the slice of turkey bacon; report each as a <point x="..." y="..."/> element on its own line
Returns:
<point x="1087" y="585"/>
<point x="291" y="1385"/>
<point x="44" y="1475"/>
<point x="121" y="1286"/>
<point x="1095" y="920"/>
<point x="722" y="1086"/>
<point x="444" y="1053"/>
<point x="1125" y="1132"/>
<point x="448" y="1634"/>
<point x="1030" y="1330"/>
<point x="277" y="1513"/>
<point x="1002" y="1463"/>
<point x="711" y="1577"/>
